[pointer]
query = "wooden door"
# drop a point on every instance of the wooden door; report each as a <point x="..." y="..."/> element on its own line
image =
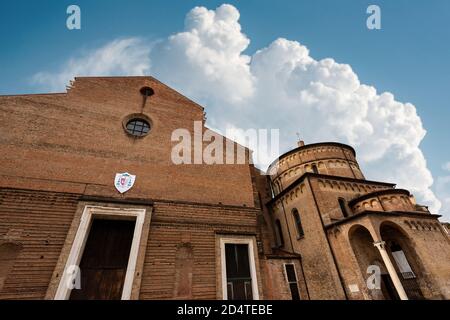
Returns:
<point x="105" y="259"/>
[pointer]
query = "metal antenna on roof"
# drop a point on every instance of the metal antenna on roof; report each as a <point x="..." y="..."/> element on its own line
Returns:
<point x="300" y="142"/>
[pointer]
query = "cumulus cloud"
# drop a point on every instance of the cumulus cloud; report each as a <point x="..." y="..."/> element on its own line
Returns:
<point x="279" y="86"/>
<point x="208" y="52"/>
<point x="122" y="56"/>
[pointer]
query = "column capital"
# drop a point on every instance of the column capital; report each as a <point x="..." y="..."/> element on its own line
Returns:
<point x="380" y="245"/>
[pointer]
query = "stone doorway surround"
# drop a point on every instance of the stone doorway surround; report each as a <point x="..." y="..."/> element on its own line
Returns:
<point x="73" y="248"/>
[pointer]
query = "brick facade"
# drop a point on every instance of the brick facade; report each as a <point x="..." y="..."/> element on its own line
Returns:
<point x="60" y="153"/>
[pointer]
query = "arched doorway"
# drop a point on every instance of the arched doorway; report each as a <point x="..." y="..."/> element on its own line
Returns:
<point x="367" y="255"/>
<point x="404" y="258"/>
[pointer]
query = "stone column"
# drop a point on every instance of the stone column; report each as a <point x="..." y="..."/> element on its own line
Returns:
<point x="391" y="270"/>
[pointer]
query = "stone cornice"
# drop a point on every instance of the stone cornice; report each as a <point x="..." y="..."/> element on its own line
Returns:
<point x="325" y="177"/>
<point x="311" y="146"/>
<point x="382" y="213"/>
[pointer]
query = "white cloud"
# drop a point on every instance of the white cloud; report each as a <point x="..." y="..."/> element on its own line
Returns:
<point x="123" y="56"/>
<point x="206" y="59"/>
<point x="280" y="86"/>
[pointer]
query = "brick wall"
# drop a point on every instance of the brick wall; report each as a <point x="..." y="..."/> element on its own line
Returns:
<point x="177" y="225"/>
<point x="38" y="221"/>
<point x="317" y="259"/>
<point x="78" y="138"/>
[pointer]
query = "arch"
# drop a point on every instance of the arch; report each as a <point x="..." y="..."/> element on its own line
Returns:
<point x="279" y="186"/>
<point x="397" y="228"/>
<point x="374" y="203"/>
<point x="280" y="238"/>
<point x="366" y="255"/>
<point x="407" y="263"/>
<point x="420" y="225"/>
<point x="298" y="223"/>
<point x="321" y="166"/>
<point x="302" y="188"/>
<point x="343" y="206"/>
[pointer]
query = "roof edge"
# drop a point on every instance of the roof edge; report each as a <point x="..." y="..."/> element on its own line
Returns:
<point x="313" y="145"/>
<point x="385" y="213"/>
<point x="378" y="193"/>
<point x="325" y="176"/>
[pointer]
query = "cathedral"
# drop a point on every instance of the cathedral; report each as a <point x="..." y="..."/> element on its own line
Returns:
<point x="93" y="207"/>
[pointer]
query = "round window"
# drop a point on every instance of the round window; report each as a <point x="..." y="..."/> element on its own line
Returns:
<point x="138" y="127"/>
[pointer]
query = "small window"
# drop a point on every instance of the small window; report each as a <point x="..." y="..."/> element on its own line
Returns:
<point x="314" y="168"/>
<point x="292" y="281"/>
<point x="279" y="233"/>
<point x="401" y="261"/>
<point x="138" y="127"/>
<point x="343" y="207"/>
<point x="298" y="224"/>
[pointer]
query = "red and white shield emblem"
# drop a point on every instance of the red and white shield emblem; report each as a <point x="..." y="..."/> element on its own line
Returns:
<point x="124" y="181"/>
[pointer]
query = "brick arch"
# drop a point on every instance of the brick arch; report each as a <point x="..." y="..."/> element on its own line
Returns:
<point x="396" y="226"/>
<point x="366" y="254"/>
<point x="396" y="236"/>
<point x="355" y="228"/>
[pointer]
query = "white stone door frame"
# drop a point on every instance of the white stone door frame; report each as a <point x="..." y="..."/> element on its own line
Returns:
<point x="251" y="256"/>
<point x="76" y="252"/>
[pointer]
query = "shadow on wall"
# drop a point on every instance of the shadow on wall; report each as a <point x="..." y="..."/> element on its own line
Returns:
<point x="9" y="251"/>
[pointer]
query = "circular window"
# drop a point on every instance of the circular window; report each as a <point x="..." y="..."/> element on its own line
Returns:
<point x="138" y="127"/>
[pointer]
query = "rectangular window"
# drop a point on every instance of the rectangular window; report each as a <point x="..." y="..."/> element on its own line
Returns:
<point x="239" y="279"/>
<point x="238" y="268"/>
<point x="292" y="281"/>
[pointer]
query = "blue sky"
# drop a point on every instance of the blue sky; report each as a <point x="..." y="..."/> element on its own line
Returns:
<point x="409" y="56"/>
